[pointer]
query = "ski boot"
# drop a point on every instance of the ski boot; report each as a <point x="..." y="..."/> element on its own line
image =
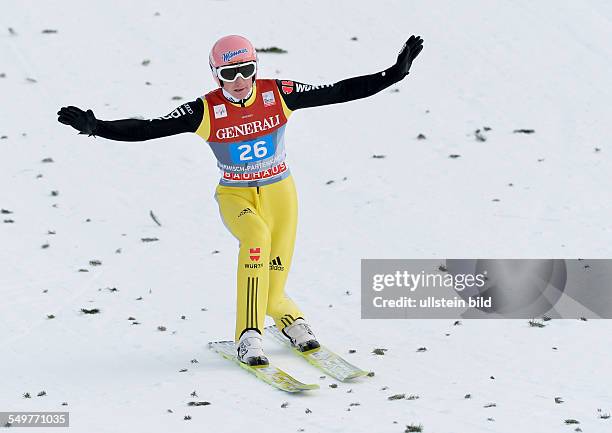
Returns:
<point x="250" y="349"/>
<point x="301" y="336"/>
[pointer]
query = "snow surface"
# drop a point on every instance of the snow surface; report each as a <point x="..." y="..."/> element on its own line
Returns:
<point x="506" y="65"/>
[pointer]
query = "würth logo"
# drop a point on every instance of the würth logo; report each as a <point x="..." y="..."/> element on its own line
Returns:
<point x="255" y="254"/>
<point x="299" y="87"/>
<point x="276" y="265"/>
<point x="287" y="87"/>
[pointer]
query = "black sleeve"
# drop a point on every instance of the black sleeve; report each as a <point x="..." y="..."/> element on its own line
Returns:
<point x="185" y="118"/>
<point x="299" y="95"/>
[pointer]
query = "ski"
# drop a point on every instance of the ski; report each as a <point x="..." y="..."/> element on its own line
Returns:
<point x="322" y="358"/>
<point x="269" y="374"/>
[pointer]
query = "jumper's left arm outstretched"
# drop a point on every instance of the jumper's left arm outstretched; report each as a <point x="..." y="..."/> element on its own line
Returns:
<point x="298" y="95"/>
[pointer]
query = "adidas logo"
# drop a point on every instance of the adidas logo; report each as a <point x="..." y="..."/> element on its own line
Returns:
<point x="276" y="265"/>
<point x="245" y="211"/>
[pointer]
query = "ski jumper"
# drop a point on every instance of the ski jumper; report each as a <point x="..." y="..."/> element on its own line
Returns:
<point x="257" y="199"/>
<point x="256" y="193"/>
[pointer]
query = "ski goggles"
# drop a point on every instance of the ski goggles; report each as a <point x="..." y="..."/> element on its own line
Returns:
<point x="231" y="72"/>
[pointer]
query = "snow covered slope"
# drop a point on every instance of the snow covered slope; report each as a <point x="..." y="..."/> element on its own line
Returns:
<point x="503" y="65"/>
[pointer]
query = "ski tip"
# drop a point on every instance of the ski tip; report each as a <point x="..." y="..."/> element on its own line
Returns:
<point x="355" y="375"/>
<point x="305" y="387"/>
<point x="310" y="387"/>
<point x="301" y="389"/>
<point x="216" y="344"/>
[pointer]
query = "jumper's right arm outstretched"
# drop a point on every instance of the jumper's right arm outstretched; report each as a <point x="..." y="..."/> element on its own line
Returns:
<point x="185" y="118"/>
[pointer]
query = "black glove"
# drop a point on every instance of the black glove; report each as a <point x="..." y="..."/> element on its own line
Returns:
<point x="407" y="54"/>
<point x="83" y="121"/>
